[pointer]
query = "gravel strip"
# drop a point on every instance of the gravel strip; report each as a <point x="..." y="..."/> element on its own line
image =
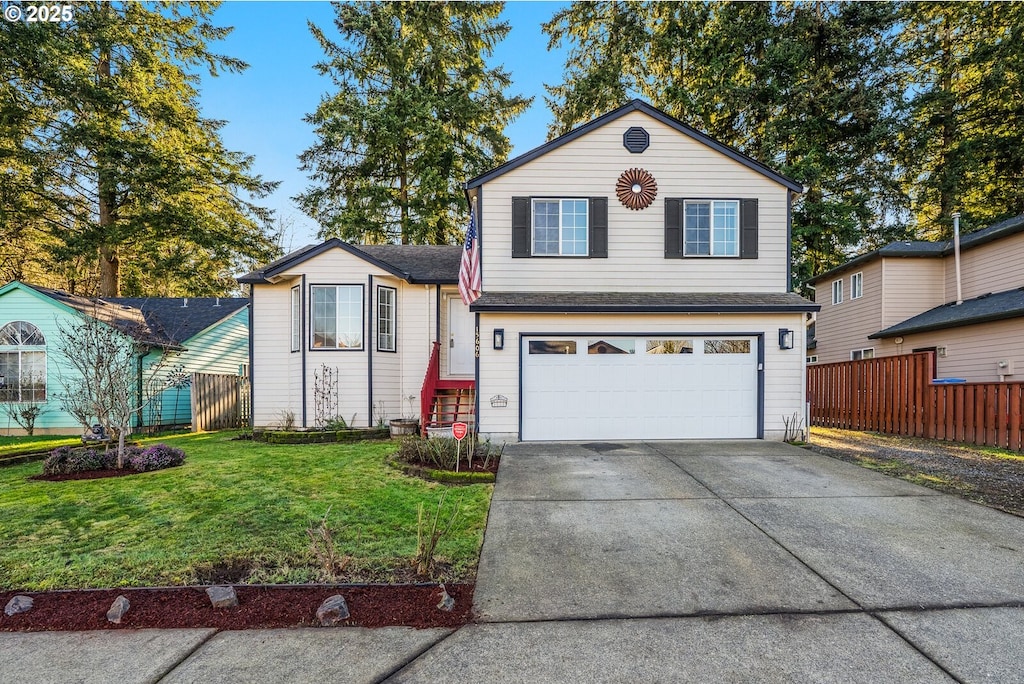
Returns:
<point x="981" y="474"/>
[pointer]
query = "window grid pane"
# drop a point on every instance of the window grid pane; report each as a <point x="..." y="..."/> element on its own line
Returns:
<point x="386" y="319"/>
<point x="560" y="227"/>
<point x="296" y="319"/>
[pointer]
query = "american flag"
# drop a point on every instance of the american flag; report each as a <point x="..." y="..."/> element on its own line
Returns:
<point x="469" y="271"/>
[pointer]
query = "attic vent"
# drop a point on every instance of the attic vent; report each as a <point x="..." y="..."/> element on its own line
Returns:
<point x="636" y="140"/>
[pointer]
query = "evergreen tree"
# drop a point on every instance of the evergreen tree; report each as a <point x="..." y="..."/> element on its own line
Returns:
<point x="806" y="88"/>
<point x="416" y="112"/>
<point x="963" y="141"/>
<point x="123" y="169"/>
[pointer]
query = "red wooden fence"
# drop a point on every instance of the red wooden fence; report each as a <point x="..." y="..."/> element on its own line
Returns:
<point x="895" y="394"/>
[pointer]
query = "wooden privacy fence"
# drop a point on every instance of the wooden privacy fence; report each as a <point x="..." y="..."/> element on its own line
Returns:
<point x="896" y="395"/>
<point x="219" y="402"/>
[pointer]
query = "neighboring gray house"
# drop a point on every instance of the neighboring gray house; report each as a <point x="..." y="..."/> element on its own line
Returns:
<point x="901" y="298"/>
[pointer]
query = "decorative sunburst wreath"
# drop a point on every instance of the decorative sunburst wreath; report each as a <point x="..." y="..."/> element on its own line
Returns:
<point x="636" y="189"/>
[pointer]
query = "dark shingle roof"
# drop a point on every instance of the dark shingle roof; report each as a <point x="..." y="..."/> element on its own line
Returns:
<point x="435" y="264"/>
<point x="922" y="248"/>
<point x="642" y="302"/>
<point x="988" y="307"/>
<point x="159" y="321"/>
<point x="431" y="264"/>
<point x="181" y="318"/>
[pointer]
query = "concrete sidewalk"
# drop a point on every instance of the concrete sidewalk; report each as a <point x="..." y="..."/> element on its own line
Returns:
<point x="682" y="561"/>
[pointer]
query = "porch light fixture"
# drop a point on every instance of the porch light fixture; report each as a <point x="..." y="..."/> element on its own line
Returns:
<point x="499" y="338"/>
<point x="785" y="338"/>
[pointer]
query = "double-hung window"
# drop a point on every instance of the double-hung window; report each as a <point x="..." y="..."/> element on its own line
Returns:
<point x="22" y="363"/>
<point x="711" y="228"/>
<point x="296" y="319"/>
<point x="386" y="318"/>
<point x="856" y="286"/>
<point x="560" y="227"/>
<point x="337" y="316"/>
<point x="837" y="291"/>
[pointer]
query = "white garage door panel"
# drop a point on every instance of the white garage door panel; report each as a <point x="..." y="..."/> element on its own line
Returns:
<point x="584" y="396"/>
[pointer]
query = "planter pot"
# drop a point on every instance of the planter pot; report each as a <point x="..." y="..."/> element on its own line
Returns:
<point x="440" y="432"/>
<point x="401" y="427"/>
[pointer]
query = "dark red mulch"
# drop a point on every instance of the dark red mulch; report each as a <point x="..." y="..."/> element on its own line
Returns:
<point x="86" y="475"/>
<point x="259" y="608"/>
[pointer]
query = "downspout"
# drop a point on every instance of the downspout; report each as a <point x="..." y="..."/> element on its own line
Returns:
<point x="252" y="385"/>
<point x="302" y="346"/>
<point x="138" y="389"/>
<point x="370" y="342"/>
<point x="956" y="257"/>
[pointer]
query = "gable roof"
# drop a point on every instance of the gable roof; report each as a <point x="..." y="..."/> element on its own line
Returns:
<point x="936" y="249"/>
<point x="988" y="307"/>
<point x="156" y="321"/>
<point x="417" y="264"/>
<point x="636" y="106"/>
<point x="180" y="318"/>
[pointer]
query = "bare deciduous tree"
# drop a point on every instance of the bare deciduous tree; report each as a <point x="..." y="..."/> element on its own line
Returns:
<point x="105" y="376"/>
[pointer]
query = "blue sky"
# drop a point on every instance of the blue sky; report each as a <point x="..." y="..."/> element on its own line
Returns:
<point x="264" y="105"/>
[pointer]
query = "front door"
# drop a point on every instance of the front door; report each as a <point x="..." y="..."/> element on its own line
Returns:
<point x="461" y="339"/>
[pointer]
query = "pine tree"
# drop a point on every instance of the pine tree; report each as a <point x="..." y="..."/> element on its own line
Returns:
<point x="124" y="169"/>
<point x="806" y="88"/>
<point x="963" y="141"/>
<point x="416" y="112"/>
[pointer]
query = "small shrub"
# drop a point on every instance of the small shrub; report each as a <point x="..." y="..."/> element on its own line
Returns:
<point x="157" y="457"/>
<point x="65" y="460"/>
<point x="429" y="531"/>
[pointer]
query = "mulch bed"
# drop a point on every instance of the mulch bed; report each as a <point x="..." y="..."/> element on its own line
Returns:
<point x="259" y="607"/>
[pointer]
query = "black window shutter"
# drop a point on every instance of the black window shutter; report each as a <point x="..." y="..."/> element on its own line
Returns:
<point x="521" y="227"/>
<point x="673" y="228"/>
<point x="748" y="229"/>
<point x="599" y="227"/>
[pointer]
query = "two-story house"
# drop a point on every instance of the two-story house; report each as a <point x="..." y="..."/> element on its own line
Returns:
<point x="635" y="285"/>
<point x="902" y="298"/>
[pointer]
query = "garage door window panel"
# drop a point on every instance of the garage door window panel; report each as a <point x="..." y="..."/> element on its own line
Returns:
<point x="674" y="346"/>
<point x="726" y="346"/>
<point x="611" y="346"/>
<point x="552" y="347"/>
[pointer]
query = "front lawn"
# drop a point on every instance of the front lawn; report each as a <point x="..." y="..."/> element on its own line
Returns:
<point x="235" y="507"/>
<point x="14" y="446"/>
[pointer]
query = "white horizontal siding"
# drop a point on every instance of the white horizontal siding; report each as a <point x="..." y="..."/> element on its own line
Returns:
<point x="590" y="166"/>
<point x="274" y="366"/>
<point x="499" y="370"/>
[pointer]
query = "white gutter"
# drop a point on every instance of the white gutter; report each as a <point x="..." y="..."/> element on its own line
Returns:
<point x="956" y="257"/>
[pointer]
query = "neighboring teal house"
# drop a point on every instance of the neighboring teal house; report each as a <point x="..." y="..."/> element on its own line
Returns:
<point x="204" y="335"/>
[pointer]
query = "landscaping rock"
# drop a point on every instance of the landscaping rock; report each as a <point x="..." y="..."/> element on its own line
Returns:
<point x="18" y="604"/>
<point x="332" y="611"/>
<point x="118" y="609"/>
<point x="447" y="603"/>
<point x="222" y="597"/>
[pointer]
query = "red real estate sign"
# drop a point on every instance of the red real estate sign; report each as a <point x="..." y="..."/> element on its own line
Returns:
<point x="459" y="430"/>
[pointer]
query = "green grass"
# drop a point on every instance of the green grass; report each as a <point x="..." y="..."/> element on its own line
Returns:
<point x="233" y="503"/>
<point x="14" y="446"/>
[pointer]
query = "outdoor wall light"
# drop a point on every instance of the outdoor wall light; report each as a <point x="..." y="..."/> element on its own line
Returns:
<point x="499" y="338"/>
<point x="785" y="338"/>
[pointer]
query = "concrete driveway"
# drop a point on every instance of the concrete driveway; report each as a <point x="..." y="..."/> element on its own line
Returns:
<point x="732" y="561"/>
<point x="656" y="562"/>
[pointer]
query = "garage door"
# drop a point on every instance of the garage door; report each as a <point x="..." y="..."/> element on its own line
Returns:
<point x="613" y="387"/>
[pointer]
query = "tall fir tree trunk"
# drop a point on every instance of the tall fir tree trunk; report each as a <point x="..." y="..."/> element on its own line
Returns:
<point x="110" y="266"/>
